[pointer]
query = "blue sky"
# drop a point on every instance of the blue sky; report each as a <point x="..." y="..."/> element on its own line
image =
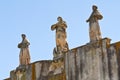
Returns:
<point x="35" y="17"/>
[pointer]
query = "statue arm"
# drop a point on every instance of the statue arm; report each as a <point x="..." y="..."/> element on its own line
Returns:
<point x="97" y="15"/>
<point x="65" y="25"/>
<point x="53" y="27"/>
<point x="90" y="17"/>
<point x="26" y="43"/>
<point x="87" y="20"/>
<point x="19" y="45"/>
<point x="23" y="44"/>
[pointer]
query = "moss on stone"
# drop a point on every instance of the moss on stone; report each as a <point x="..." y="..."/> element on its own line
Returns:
<point x="33" y="72"/>
<point x="61" y="76"/>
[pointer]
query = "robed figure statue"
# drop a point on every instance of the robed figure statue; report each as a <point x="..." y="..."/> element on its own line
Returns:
<point x="24" y="56"/>
<point x="61" y="43"/>
<point x="94" y="30"/>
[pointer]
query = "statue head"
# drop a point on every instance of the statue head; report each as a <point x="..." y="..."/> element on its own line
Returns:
<point x="23" y="36"/>
<point x="94" y="7"/>
<point x="59" y="19"/>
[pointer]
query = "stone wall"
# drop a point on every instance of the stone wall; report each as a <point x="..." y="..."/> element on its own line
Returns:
<point x="40" y="70"/>
<point x="35" y="71"/>
<point x="98" y="60"/>
<point x="94" y="61"/>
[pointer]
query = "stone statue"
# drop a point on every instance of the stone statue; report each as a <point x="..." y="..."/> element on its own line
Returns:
<point x="94" y="30"/>
<point x="24" y="56"/>
<point x="61" y="43"/>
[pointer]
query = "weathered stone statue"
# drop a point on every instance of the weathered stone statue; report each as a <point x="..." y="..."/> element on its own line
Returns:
<point x="24" y="51"/>
<point x="61" y="43"/>
<point x="94" y="30"/>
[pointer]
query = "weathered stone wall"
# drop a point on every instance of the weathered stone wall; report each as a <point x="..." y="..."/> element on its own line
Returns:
<point x="40" y="70"/>
<point x="35" y="71"/>
<point x="94" y="61"/>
